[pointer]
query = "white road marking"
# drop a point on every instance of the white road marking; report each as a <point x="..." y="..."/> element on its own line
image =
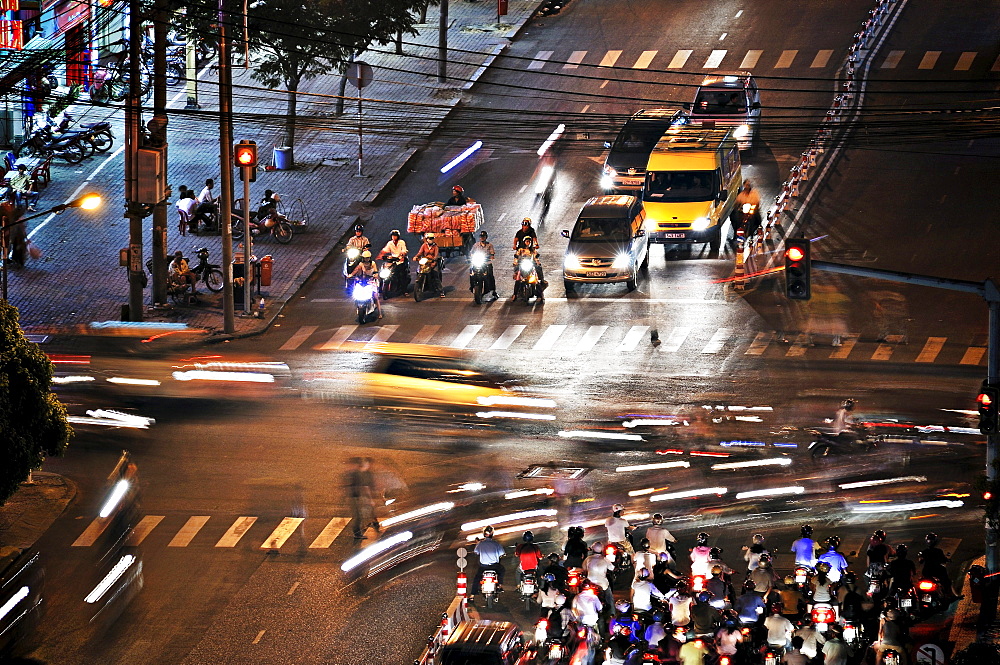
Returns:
<point x="540" y="59"/>
<point x="632" y="338"/>
<point x="296" y="340"/>
<point x="821" y="59"/>
<point x="750" y="59"/>
<point x="786" y="59"/>
<point x="575" y="58"/>
<point x="973" y="355"/>
<point x="549" y="338"/>
<point x="589" y="339"/>
<point x="717" y="341"/>
<point x="142" y="529"/>
<point x="338" y="338"/>
<point x="382" y="336"/>
<point x="500" y="218"/>
<point x="610" y="58"/>
<point x="798" y="348"/>
<point x="676" y="338"/>
<point x="929" y="60"/>
<point x="965" y="61"/>
<point x="883" y="352"/>
<point x="187" y="532"/>
<point x="464" y="337"/>
<point x="603" y="85"/>
<point x="507" y="338"/>
<point x="760" y="343"/>
<point x="644" y="60"/>
<point x="932" y="347"/>
<point x="330" y="532"/>
<point x="739" y="14"/>
<point x="281" y="533"/>
<point x="679" y="59"/>
<point x="294" y="587"/>
<point x="847" y="343"/>
<point x="723" y="36"/>
<point x="92" y="532"/>
<point x="892" y="59"/>
<point x="236" y="531"/>
<point x="256" y="640"/>
<point x="425" y="335"/>
<point x="996" y="65"/>
<point x="586" y="107"/>
<point x="715" y="58"/>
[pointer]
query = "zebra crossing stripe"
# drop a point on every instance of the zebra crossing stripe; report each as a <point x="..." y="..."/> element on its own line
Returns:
<point x="821" y="59"/>
<point x="750" y="59"/>
<point x="187" y="532"/>
<point x="463" y="338"/>
<point x="296" y="340"/>
<point x="589" y="339"/>
<point x="330" y="532"/>
<point x="507" y="338"/>
<point x="883" y="352"/>
<point x="281" y="533"/>
<point x="676" y="338"/>
<point x="760" y="343"/>
<point x="236" y="531"/>
<point x="973" y="355"/>
<point x="786" y="59"/>
<point x="644" y="60"/>
<point x="92" y="532"/>
<point x="338" y="338"/>
<point x="715" y="58"/>
<point x="892" y="59"/>
<point x="996" y="65"/>
<point x="540" y="59"/>
<point x="717" y="341"/>
<point x="575" y="58"/>
<point x="802" y="342"/>
<point x="680" y="59"/>
<point x="931" y="349"/>
<point x="549" y="338"/>
<point x="929" y="61"/>
<point x="382" y="336"/>
<point x="143" y="528"/>
<point x="847" y="343"/>
<point x="425" y="335"/>
<point x="965" y="61"/>
<point x="610" y="58"/>
<point x="632" y="338"/>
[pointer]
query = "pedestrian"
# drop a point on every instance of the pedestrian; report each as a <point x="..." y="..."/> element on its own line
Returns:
<point x="180" y="271"/>
<point x="23" y="186"/>
<point x="361" y="485"/>
<point x="207" y="210"/>
<point x="17" y="235"/>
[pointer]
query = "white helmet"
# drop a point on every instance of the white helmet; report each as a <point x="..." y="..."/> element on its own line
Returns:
<point x="617" y="508"/>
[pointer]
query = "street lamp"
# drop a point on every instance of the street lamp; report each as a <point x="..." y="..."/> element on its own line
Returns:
<point x="89" y="201"/>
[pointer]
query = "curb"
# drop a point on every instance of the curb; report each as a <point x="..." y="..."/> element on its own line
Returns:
<point x="35" y="512"/>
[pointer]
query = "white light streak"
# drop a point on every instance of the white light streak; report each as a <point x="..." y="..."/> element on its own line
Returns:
<point x="687" y="494"/>
<point x="116" y="495"/>
<point x="886" y="481"/>
<point x="520" y="494"/>
<point x="512" y="400"/>
<point x="21" y="594"/>
<point x="649" y="467"/>
<point x="127" y="419"/>
<point x="515" y="414"/>
<point x="467" y="487"/>
<point x="238" y="377"/>
<point x="516" y="529"/>
<point x="556" y="133"/>
<point x="442" y="507"/>
<point x="897" y="508"/>
<point x="109" y="579"/>
<point x="510" y="517"/>
<point x="774" y="491"/>
<point x="125" y="381"/>
<point x="374" y="550"/>
<point x="584" y="434"/>
<point x="71" y="379"/>
<point x="465" y="153"/>
<point x="775" y="461"/>
<point x="652" y="422"/>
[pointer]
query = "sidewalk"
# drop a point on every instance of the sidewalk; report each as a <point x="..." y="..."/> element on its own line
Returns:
<point x="78" y="280"/>
<point x="32" y="509"/>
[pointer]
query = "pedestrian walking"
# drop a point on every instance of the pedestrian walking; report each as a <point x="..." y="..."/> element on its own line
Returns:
<point x="361" y="485"/>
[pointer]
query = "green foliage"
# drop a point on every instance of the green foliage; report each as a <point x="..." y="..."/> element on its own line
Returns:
<point x="32" y="421"/>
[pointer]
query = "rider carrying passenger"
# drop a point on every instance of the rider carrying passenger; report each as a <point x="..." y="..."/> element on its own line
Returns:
<point x="527" y="251"/>
<point x="430" y="251"/>
<point x="618" y="529"/>
<point x="367" y="270"/>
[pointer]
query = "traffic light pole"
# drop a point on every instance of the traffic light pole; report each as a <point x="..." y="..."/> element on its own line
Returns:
<point x="247" y="245"/>
<point x="226" y="172"/>
<point x="990" y="292"/>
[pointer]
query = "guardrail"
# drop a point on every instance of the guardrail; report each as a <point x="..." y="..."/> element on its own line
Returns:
<point x="458" y="611"/>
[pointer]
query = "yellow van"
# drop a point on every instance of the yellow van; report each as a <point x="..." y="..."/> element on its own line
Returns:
<point x="692" y="179"/>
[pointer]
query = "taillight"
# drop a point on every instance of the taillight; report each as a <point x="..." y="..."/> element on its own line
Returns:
<point x="926" y="585"/>
<point x="543" y="623"/>
<point x="609" y="551"/>
<point x="823" y="615"/>
<point x="698" y="583"/>
<point x="725" y="660"/>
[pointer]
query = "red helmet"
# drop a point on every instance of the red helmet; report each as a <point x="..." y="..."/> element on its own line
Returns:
<point x="457" y="188"/>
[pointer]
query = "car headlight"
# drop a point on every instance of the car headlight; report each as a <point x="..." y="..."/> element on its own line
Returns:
<point x="607" y="182"/>
<point x="701" y="224"/>
<point x="478" y="260"/>
<point x="363" y="292"/>
<point x="385" y="273"/>
<point x="353" y="253"/>
<point x="621" y="262"/>
<point x="527" y="265"/>
<point x="571" y="262"/>
<point x="741" y="132"/>
<point x="609" y="172"/>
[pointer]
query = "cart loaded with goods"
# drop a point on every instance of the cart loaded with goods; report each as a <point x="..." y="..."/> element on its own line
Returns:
<point x="454" y="227"/>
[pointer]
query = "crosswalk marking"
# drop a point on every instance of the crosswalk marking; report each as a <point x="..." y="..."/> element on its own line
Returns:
<point x="338" y="338"/>
<point x="883" y="352"/>
<point x="463" y="338"/>
<point x="644" y="60"/>
<point x="798" y="348"/>
<point x="965" y="61"/>
<point x="236" y="531"/>
<point x="929" y="60"/>
<point x="786" y="59"/>
<point x="973" y="355"/>
<point x="717" y="341"/>
<point x="676" y="338"/>
<point x="759" y="343"/>
<point x="92" y="532"/>
<point x="382" y="336"/>
<point x="296" y="340"/>
<point x="187" y="533"/>
<point x="425" y="335"/>
<point x="892" y="59"/>
<point x="632" y="338"/>
<point x="715" y="58"/>
<point x="847" y="343"/>
<point x="821" y="59"/>
<point x="931" y="349"/>
<point x="142" y="529"/>
<point x="610" y="58"/>
<point x="549" y="337"/>
<point x="281" y="533"/>
<point x="750" y="59"/>
<point x="996" y="65"/>
<point x="330" y="533"/>
<point x="575" y="58"/>
<point x="589" y="339"/>
<point x="540" y="59"/>
<point x="507" y="338"/>
<point x="680" y="59"/>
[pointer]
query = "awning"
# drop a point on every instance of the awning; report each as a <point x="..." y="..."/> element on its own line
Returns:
<point x="19" y="65"/>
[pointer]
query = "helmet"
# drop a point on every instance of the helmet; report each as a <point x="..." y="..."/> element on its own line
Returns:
<point x="457" y="188"/>
<point x="823" y="567"/>
<point x="395" y="232"/>
<point x="526" y="221"/>
<point x="715" y="553"/>
<point x="575" y="532"/>
<point x="488" y="532"/>
<point x="623" y="606"/>
<point x="644" y="544"/>
<point x="716" y="570"/>
<point x="483" y="234"/>
<point x="549" y="577"/>
<point x="663" y="557"/>
<point x="657" y="617"/>
<point x="901" y="551"/>
<point x="833" y="542"/>
<point x="765" y="560"/>
<point x="643" y="573"/>
<point x="528" y="537"/>
<point x="554" y="557"/>
<point x="526" y="241"/>
<point x="789" y="580"/>
<point x="428" y="236"/>
<point x="358" y="228"/>
<point x="657" y="518"/>
<point x="560" y="600"/>
<point x="702" y="538"/>
<point x="931" y="538"/>
<point x="879" y="535"/>
<point x="807" y="531"/>
<point x="758" y="539"/>
<point x="597" y="547"/>
<point x="704" y="596"/>
<point x="892" y="615"/>
<point x="366" y="256"/>
<point x="848" y="404"/>
<point x="617" y="508"/>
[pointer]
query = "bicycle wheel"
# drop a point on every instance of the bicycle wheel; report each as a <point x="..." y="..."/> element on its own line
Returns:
<point x="283" y="233"/>
<point x="238" y="230"/>
<point x="214" y="280"/>
<point x="103" y="140"/>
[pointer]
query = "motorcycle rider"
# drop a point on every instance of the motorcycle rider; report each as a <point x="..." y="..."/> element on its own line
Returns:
<point x="557" y="571"/>
<point x="715" y="559"/>
<point x="489" y="552"/>
<point x="762" y="577"/>
<point x="486" y="247"/>
<point x="700" y="556"/>
<point x="753" y="553"/>
<point x="358" y="241"/>
<point x="587" y="606"/>
<point x="805" y="548"/>
<point x="528" y="554"/>
<point x="843" y="422"/>
<point x="891" y="635"/>
<point x="430" y="251"/>
<point x="793" y="603"/>
<point x="902" y="571"/>
<point x="719" y="588"/>
<point x="644" y="558"/>
<point x="458" y="197"/>
<point x="576" y="549"/>
<point x="619" y="529"/>
<point x="704" y="617"/>
<point x="935" y="564"/>
<point x="655" y="632"/>
<point x="658" y="535"/>
<point x="877" y="555"/>
<point x="526" y="232"/>
<point x="367" y="270"/>
<point x="779" y="629"/>
<point x="836" y="560"/>
<point x="596" y="567"/>
<point x="822" y="585"/>
<point x="747" y="195"/>
<point x="643" y="591"/>
<point x="680" y="601"/>
<point x="527" y="251"/>
<point x="395" y="248"/>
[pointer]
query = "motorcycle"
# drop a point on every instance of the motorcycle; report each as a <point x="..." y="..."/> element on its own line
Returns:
<point x="803" y="576"/>
<point x="826" y="443"/>
<point x="526" y="283"/>
<point x="823" y="615"/>
<point x="528" y="588"/>
<point x="489" y="588"/>
<point x="929" y="596"/>
<point x="363" y="293"/>
<point x="99" y="134"/>
<point x="771" y="655"/>
<point x="574" y="580"/>
<point x="747" y="221"/>
<point x="853" y="635"/>
<point x="428" y="279"/>
<point x="394" y="275"/>
<point x="42" y="142"/>
<point x="209" y="273"/>
<point x="890" y="657"/>
<point x="478" y="271"/>
<point x="273" y="225"/>
<point x="352" y="260"/>
<point x="620" y="558"/>
<point x="878" y="579"/>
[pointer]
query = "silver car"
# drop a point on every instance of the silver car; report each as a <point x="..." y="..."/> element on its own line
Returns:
<point x="729" y="100"/>
<point x="608" y="243"/>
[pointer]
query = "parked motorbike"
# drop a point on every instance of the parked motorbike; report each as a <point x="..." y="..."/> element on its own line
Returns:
<point x="209" y="273"/>
<point x="526" y="282"/>
<point x="99" y="134"/>
<point x="528" y="589"/>
<point x="478" y="271"/>
<point x="395" y="276"/>
<point x="489" y="587"/>
<point x="363" y="293"/>
<point x="42" y="142"/>
<point x="827" y="443"/>
<point x="428" y="279"/>
<point x="272" y="225"/>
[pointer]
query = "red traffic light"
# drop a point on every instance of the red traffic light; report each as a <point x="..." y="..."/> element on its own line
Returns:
<point x="985" y="400"/>
<point x="795" y="254"/>
<point x="245" y="153"/>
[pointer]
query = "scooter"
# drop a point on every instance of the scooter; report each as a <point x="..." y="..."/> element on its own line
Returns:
<point x="827" y="443"/>
<point x="489" y="588"/>
<point x="930" y="598"/>
<point x="272" y="225"/>
<point x="363" y="293"/>
<point x="209" y="273"/>
<point x="395" y="276"/>
<point x="478" y="272"/>
<point x="428" y="279"/>
<point x="526" y="282"/>
<point x="621" y="560"/>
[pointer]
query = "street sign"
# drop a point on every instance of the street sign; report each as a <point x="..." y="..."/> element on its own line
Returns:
<point x="501" y="8"/>
<point x="359" y="74"/>
<point x="462" y="552"/>
<point x="930" y="654"/>
<point x="462" y="563"/>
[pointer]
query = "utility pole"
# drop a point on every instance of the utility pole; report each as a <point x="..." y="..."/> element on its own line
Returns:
<point x="443" y="43"/>
<point x="226" y="165"/>
<point x="158" y="138"/>
<point x="134" y="210"/>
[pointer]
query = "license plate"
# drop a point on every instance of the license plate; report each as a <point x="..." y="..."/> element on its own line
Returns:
<point x="597" y="273"/>
<point x="906" y="602"/>
<point x="674" y="235"/>
<point x="488" y="586"/>
<point x="529" y="588"/>
<point x="632" y="181"/>
<point x="800" y="579"/>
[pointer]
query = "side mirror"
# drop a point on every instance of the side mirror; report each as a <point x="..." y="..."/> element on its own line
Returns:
<point x="723" y="195"/>
<point x="564" y="233"/>
<point x="755" y="106"/>
<point x="607" y="144"/>
<point x="641" y="233"/>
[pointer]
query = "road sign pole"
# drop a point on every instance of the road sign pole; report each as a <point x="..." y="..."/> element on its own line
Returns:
<point x="247" y="245"/>
<point x="360" y="139"/>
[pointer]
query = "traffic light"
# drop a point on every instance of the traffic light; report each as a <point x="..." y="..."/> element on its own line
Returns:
<point x="988" y="401"/>
<point x="797" y="269"/>
<point x="245" y="158"/>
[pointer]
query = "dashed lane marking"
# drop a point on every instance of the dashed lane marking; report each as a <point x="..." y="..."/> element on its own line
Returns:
<point x="92" y="532"/>
<point x="338" y="338"/>
<point x="143" y="528"/>
<point x="540" y="59"/>
<point x="798" y="348"/>
<point x="463" y="338"/>
<point x="425" y="335"/>
<point x="847" y="343"/>
<point x="931" y="349"/>
<point x="632" y="338"/>
<point x="610" y="58"/>
<point x="718" y="340"/>
<point x="589" y="339"/>
<point x="507" y="338"/>
<point x="715" y="58"/>
<point x="929" y="60"/>
<point x="973" y="355"/>
<point x="381" y="336"/>
<point x="786" y="59"/>
<point x="676" y="338"/>
<point x="760" y="342"/>
<point x="644" y="60"/>
<point x="892" y="59"/>
<point x="821" y="59"/>
<point x="965" y="61"/>
<point x="883" y="352"/>
<point x="575" y="58"/>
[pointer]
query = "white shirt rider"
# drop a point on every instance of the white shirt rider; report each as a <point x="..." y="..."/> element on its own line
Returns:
<point x="616" y="529"/>
<point x="587" y="606"/>
<point x="700" y="557"/>
<point x="597" y="566"/>
<point x="643" y="593"/>
<point x="842" y="421"/>
<point x="395" y="249"/>
<point x="658" y="537"/>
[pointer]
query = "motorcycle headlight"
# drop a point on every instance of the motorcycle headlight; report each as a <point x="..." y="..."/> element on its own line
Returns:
<point x="527" y="265"/>
<point x="478" y="260"/>
<point x="621" y="262"/>
<point x="571" y="262"/>
<point x="741" y="132"/>
<point x="385" y="273"/>
<point x="701" y="224"/>
<point x="353" y="253"/>
<point x="423" y="261"/>
<point x="362" y="292"/>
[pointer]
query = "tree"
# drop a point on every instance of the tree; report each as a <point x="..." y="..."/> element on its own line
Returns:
<point x="33" y="422"/>
<point x="297" y="40"/>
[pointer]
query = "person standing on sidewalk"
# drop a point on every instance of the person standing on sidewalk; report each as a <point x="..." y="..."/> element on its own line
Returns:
<point x="361" y="484"/>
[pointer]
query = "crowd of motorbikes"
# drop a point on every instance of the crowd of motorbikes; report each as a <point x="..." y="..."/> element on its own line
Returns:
<point x="57" y="137"/>
<point x="610" y="607"/>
